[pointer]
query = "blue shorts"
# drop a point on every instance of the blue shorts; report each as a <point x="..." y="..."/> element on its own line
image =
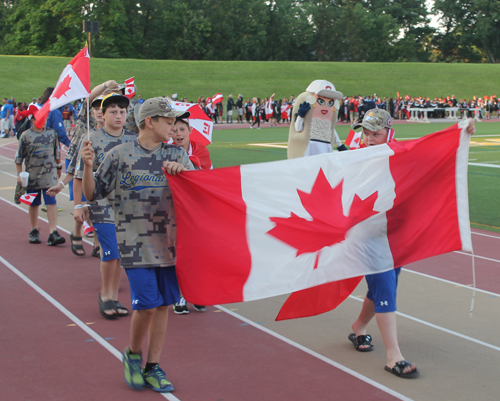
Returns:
<point x="70" y="185"/>
<point x="382" y="289"/>
<point x="106" y="234"/>
<point x="49" y="200"/>
<point x="151" y="287"/>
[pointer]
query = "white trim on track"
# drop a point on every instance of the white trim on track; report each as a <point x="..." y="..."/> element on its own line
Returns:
<point x="316" y="355"/>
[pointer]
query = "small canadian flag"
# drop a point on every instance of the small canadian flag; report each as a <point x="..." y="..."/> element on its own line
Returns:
<point x="28" y="198"/>
<point x="130" y="87"/>
<point x="87" y="228"/>
<point x="353" y="139"/>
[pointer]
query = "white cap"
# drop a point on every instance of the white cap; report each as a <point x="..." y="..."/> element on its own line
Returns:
<point x="324" y="88"/>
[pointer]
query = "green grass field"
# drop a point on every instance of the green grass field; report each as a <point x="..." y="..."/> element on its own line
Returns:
<point x="243" y="146"/>
<point x="25" y="77"/>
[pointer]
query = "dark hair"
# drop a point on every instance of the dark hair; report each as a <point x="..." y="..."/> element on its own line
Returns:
<point x="46" y="94"/>
<point x="121" y="103"/>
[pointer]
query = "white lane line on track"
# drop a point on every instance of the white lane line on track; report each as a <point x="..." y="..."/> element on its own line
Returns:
<point x="434" y="326"/>
<point x="65" y="311"/>
<point x="73" y="318"/>
<point x="487" y="235"/>
<point x="483" y="165"/>
<point x="451" y="282"/>
<point x="316" y="355"/>
<point x="476" y="256"/>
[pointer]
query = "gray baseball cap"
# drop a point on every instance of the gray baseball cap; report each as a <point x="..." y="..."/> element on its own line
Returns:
<point x="160" y="107"/>
<point x="374" y="120"/>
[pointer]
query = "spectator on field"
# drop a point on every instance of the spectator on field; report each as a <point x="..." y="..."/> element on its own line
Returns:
<point x="230" y="105"/>
<point x="239" y="109"/>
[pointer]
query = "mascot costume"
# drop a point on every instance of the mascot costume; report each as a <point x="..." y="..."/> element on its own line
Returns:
<point x="312" y="130"/>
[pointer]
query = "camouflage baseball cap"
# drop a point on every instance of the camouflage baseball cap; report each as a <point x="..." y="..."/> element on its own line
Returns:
<point x="374" y="120"/>
<point x="160" y="107"/>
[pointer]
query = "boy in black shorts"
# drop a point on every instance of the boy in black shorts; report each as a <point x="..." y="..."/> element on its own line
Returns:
<point x="145" y="229"/>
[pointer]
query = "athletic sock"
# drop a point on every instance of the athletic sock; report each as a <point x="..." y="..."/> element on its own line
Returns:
<point x="149" y="366"/>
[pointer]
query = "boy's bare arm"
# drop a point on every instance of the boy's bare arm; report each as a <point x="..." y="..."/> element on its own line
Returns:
<point x="88" y="174"/>
<point x="19" y="168"/>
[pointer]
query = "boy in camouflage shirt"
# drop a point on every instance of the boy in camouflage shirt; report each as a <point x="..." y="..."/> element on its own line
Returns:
<point x="114" y="108"/>
<point x="39" y="149"/>
<point x="145" y="229"/>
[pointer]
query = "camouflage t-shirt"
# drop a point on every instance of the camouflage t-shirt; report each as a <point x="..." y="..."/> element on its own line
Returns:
<point x="71" y="169"/>
<point x="144" y="213"/>
<point x="132" y="122"/>
<point x="39" y="150"/>
<point x="102" y="211"/>
<point x="80" y="131"/>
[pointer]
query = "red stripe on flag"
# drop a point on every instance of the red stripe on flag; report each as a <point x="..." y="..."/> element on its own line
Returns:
<point x="208" y="273"/>
<point x="41" y="116"/>
<point x="429" y="214"/>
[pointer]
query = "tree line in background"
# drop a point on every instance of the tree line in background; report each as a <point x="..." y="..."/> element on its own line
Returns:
<point x="282" y="30"/>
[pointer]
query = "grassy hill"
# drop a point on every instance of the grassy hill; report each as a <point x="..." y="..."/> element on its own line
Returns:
<point x="25" y="77"/>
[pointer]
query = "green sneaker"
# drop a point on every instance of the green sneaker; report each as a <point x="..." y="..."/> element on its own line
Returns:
<point x="132" y="364"/>
<point x="155" y="379"/>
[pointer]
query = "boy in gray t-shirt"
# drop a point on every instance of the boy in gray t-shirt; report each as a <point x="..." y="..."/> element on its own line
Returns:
<point x="145" y="229"/>
<point x="39" y="149"/>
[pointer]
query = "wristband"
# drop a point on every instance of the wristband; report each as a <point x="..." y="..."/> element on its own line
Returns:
<point x="63" y="184"/>
<point x="59" y="165"/>
<point x="104" y="86"/>
<point x="79" y="207"/>
<point x="59" y="168"/>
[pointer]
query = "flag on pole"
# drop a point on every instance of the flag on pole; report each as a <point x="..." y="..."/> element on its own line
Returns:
<point x="28" y="198"/>
<point x="218" y="98"/>
<point x="269" y="229"/>
<point x="354" y="139"/>
<point x="73" y="83"/>
<point x="129" y="87"/>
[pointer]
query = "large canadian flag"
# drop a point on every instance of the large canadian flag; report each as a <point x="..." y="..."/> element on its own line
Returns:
<point x="256" y="231"/>
<point x="73" y="84"/>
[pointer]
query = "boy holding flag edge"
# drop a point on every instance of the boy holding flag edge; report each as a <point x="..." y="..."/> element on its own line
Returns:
<point x="144" y="210"/>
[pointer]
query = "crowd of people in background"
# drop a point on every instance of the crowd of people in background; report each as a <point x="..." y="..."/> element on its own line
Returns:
<point x="269" y="110"/>
<point x="352" y="108"/>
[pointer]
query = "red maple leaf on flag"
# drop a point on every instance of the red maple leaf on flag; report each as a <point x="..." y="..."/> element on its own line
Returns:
<point x="62" y="88"/>
<point x="329" y="225"/>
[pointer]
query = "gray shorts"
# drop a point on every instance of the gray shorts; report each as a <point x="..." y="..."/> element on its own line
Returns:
<point x="229" y="112"/>
<point x="239" y="112"/>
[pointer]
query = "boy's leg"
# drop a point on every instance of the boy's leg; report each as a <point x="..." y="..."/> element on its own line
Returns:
<point x="365" y="316"/>
<point x="157" y="331"/>
<point x="52" y="217"/>
<point x="110" y="281"/>
<point x="33" y="213"/>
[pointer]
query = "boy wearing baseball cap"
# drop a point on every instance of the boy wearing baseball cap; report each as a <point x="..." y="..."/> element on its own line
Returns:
<point x="380" y="301"/>
<point x="101" y="213"/>
<point x="145" y="229"/>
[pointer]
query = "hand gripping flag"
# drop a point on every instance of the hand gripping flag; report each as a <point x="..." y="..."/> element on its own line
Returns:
<point x="129" y="87"/>
<point x="353" y="139"/>
<point x="28" y="198"/>
<point x="201" y="124"/>
<point x="74" y="83"/>
<point x="218" y="98"/>
<point x="268" y="229"/>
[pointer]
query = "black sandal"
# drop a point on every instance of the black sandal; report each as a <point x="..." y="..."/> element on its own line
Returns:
<point x="118" y="306"/>
<point x="76" y="247"/>
<point x="361" y="340"/>
<point x="399" y="369"/>
<point x="107" y="305"/>
<point x="96" y="252"/>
